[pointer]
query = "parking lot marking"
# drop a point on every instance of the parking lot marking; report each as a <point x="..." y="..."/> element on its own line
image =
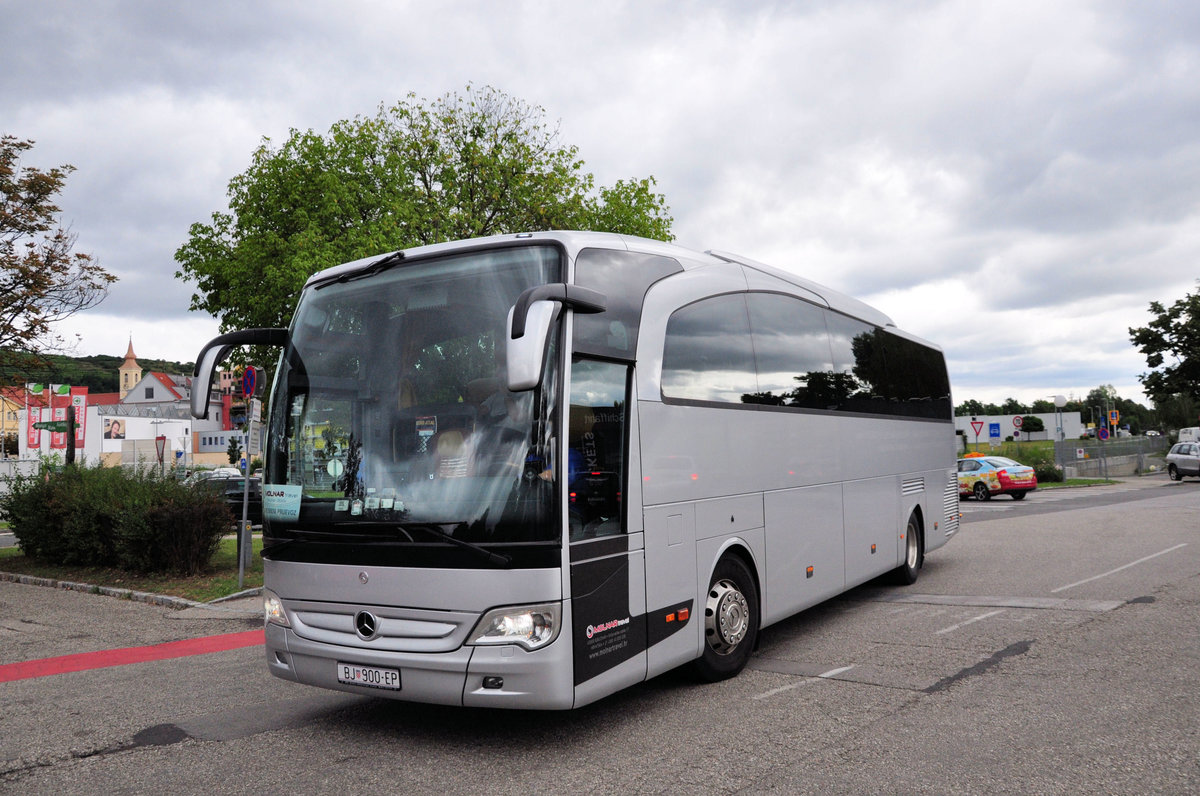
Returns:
<point x="84" y="661"/>
<point x="798" y="683"/>
<point x="970" y="621"/>
<point x="1118" y="569"/>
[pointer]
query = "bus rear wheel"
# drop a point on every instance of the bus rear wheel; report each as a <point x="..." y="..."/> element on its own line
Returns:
<point x="730" y="621"/>
<point x="914" y="554"/>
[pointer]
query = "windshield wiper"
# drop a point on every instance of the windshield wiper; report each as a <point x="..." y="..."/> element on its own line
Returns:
<point x="495" y="558"/>
<point x="430" y="528"/>
<point x="380" y="265"/>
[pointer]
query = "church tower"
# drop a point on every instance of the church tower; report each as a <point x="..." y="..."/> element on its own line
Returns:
<point x="130" y="371"/>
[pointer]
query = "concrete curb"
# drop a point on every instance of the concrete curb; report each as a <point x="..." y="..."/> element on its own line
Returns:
<point x="167" y="601"/>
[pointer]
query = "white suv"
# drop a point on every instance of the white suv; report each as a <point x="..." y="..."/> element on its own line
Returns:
<point x="1183" y="459"/>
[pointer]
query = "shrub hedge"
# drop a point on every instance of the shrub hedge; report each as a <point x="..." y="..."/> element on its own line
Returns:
<point x="112" y="517"/>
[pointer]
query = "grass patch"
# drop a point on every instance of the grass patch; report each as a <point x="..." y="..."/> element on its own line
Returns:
<point x="219" y="580"/>
<point x="1077" y="482"/>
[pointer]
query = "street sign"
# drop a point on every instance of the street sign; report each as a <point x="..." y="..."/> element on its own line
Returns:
<point x="1102" y="433"/>
<point x="994" y="430"/>
<point x="1114" y="417"/>
<point x="58" y="426"/>
<point x="1017" y="421"/>
<point x="977" y="425"/>
<point x="251" y="381"/>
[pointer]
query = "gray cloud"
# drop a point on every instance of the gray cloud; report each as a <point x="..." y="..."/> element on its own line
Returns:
<point x="992" y="176"/>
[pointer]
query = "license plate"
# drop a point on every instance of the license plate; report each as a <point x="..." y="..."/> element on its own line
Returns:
<point x="369" y="676"/>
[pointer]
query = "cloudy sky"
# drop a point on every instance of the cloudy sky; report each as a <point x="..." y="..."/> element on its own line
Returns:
<point x="1013" y="180"/>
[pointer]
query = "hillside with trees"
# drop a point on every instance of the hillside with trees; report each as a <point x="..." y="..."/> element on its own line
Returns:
<point x="97" y="373"/>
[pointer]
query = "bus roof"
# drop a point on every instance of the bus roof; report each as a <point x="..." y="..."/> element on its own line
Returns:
<point x="575" y="241"/>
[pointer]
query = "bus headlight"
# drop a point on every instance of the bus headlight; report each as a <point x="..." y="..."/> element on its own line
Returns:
<point x="273" y="611"/>
<point x="530" y="626"/>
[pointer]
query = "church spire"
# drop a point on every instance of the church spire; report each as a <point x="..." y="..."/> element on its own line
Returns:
<point x="130" y="372"/>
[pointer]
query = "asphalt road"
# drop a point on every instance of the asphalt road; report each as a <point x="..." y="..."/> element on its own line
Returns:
<point x="1052" y="647"/>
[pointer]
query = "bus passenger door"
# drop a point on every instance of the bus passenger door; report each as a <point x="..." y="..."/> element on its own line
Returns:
<point x="608" y="609"/>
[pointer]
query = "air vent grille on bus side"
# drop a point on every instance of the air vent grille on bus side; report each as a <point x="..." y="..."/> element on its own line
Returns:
<point x="950" y="505"/>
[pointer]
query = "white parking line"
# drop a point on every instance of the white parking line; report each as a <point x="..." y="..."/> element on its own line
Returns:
<point x="970" y="621"/>
<point x="1118" y="569"/>
<point x="797" y="684"/>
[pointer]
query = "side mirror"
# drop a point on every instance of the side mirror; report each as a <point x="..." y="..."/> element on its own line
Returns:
<point x="524" y="355"/>
<point x="214" y="353"/>
<point x="529" y="328"/>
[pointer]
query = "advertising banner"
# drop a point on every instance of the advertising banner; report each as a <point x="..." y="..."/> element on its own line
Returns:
<point x="60" y="405"/>
<point x="58" y="439"/>
<point x="79" y="397"/>
<point x="33" y="434"/>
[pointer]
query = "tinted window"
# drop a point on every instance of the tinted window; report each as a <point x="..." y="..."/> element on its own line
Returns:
<point x="859" y="372"/>
<point x="791" y="352"/>
<point x="883" y="373"/>
<point x="917" y="385"/>
<point x="623" y="277"/>
<point x="708" y="356"/>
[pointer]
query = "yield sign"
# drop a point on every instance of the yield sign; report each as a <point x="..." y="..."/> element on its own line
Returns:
<point x="977" y="425"/>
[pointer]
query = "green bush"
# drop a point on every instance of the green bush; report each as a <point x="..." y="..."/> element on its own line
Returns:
<point x="1048" y="473"/>
<point x="179" y="533"/>
<point x="112" y="517"/>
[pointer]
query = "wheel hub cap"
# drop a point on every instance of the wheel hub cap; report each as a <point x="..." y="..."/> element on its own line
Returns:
<point x="726" y="617"/>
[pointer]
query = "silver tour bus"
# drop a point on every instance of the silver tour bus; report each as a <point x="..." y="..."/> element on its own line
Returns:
<point x="528" y="471"/>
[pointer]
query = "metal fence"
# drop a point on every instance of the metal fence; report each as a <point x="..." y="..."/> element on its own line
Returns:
<point x="13" y="467"/>
<point x="1122" y="456"/>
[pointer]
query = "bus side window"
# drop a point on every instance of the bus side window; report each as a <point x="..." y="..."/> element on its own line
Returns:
<point x="596" y="448"/>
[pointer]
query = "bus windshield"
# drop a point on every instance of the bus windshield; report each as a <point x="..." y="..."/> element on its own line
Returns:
<point x="392" y="427"/>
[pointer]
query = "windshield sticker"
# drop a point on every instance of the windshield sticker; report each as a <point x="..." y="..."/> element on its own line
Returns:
<point x="426" y="426"/>
<point x="341" y="505"/>
<point x="281" y="502"/>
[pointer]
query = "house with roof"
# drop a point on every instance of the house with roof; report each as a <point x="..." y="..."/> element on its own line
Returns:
<point x="11" y="406"/>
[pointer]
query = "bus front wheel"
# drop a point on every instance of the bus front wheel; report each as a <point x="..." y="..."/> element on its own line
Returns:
<point x="730" y="621"/>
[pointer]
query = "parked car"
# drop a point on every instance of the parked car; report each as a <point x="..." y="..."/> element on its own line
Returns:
<point x="1183" y="459"/>
<point x="232" y="487"/>
<point x="219" y="472"/>
<point x="983" y="476"/>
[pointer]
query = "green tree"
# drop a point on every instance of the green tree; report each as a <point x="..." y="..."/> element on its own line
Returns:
<point x="234" y="451"/>
<point x="1174" y="333"/>
<point x="1031" y="424"/>
<point x="42" y="281"/>
<point x="465" y="165"/>
<point x="1012" y="406"/>
<point x="969" y="408"/>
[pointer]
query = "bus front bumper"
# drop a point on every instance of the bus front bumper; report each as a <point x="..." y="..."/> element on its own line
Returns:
<point x="505" y="676"/>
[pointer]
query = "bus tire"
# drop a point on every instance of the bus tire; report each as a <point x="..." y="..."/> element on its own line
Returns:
<point x="914" y="554"/>
<point x="730" y="621"/>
